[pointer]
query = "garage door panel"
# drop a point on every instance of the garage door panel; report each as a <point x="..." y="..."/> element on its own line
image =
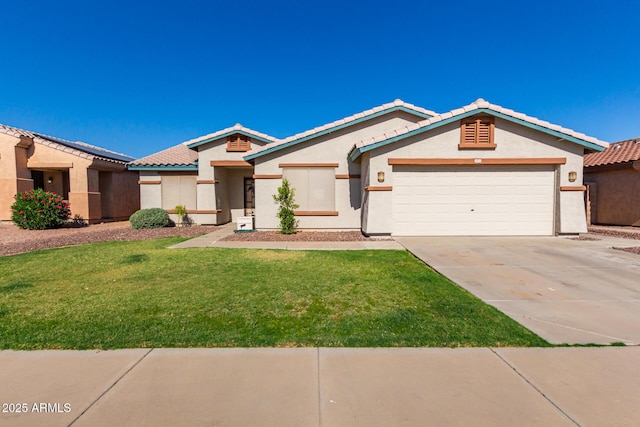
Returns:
<point x="473" y="201"/>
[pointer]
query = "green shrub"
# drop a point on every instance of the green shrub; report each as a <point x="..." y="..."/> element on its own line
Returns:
<point x="285" y="198"/>
<point x="38" y="210"/>
<point x="149" y="218"/>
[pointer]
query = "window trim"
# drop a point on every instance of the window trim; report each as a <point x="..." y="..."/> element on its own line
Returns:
<point x="477" y="121"/>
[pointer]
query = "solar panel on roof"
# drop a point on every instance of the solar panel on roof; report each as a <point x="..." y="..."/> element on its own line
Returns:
<point x="89" y="149"/>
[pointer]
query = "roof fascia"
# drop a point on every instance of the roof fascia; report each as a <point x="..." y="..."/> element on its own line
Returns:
<point x="225" y="134"/>
<point x="336" y="128"/>
<point x="357" y="151"/>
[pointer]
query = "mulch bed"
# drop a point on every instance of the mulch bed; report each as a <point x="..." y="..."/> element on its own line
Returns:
<point x="300" y="236"/>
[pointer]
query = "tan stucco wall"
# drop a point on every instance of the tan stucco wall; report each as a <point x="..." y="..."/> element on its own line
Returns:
<point x="150" y="193"/>
<point x="618" y="194"/>
<point x="120" y="194"/>
<point x="512" y="140"/>
<point x="85" y="197"/>
<point x="331" y="148"/>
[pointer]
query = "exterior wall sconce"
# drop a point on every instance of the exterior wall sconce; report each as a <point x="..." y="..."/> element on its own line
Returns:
<point x="50" y="180"/>
<point x="380" y="176"/>
<point x="573" y="175"/>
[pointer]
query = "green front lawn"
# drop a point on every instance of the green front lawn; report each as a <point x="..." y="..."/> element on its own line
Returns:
<point x="139" y="294"/>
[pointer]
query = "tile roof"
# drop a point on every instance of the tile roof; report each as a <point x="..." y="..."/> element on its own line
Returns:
<point x="617" y="152"/>
<point x="398" y="104"/>
<point x="184" y="153"/>
<point x="479" y="104"/>
<point x="77" y="148"/>
<point x="237" y="128"/>
<point x="178" y="155"/>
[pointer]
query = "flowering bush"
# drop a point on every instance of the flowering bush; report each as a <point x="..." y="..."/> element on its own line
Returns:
<point x="39" y="209"/>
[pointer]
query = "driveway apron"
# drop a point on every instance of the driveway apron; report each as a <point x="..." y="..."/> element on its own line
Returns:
<point x="566" y="291"/>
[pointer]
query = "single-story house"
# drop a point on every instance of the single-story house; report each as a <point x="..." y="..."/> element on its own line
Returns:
<point x="396" y="169"/>
<point x="95" y="181"/>
<point x="612" y="178"/>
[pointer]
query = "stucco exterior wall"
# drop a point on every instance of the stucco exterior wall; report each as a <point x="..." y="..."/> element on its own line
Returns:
<point x="120" y="194"/>
<point x="227" y="194"/>
<point x="617" y="200"/>
<point x="150" y="189"/>
<point x="331" y="148"/>
<point x="512" y="140"/>
<point x="8" y="179"/>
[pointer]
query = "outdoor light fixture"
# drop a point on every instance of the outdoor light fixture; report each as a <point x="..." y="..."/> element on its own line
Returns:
<point x="573" y="175"/>
<point x="50" y="180"/>
<point x="380" y="176"/>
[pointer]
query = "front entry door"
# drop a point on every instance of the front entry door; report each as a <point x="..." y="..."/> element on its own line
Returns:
<point x="249" y="197"/>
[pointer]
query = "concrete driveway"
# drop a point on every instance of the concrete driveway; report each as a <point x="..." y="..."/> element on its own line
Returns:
<point x="566" y="291"/>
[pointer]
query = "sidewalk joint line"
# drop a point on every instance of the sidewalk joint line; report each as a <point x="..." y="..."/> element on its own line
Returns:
<point x="109" y="388"/>
<point x="534" y="387"/>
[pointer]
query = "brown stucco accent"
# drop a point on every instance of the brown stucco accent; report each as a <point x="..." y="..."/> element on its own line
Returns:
<point x="490" y="161"/>
<point x="378" y="188"/>
<point x="231" y="163"/>
<point x="308" y="165"/>
<point x="316" y="213"/>
<point x="573" y="188"/>
<point x="347" y="176"/>
<point x="149" y="182"/>
<point x="267" y="176"/>
<point x="206" y="181"/>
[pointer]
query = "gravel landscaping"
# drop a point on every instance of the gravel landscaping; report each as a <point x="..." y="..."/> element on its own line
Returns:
<point x="632" y="233"/>
<point x="14" y="240"/>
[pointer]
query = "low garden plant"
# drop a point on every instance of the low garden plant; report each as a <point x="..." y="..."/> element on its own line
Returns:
<point x="38" y="210"/>
<point x="149" y="218"/>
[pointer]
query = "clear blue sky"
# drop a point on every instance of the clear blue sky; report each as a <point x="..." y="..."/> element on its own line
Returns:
<point x="140" y="76"/>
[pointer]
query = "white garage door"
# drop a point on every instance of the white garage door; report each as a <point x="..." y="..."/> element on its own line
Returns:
<point x="468" y="201"/>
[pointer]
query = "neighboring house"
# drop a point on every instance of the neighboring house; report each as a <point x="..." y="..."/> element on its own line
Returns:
<point x="395" y="169"/>
<point x="613" y="184"/>
<point x="95" y="181"/>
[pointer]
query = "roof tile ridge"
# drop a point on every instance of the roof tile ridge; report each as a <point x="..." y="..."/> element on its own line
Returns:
<point x="236" y="127"/>
<point x="415" y="107"/>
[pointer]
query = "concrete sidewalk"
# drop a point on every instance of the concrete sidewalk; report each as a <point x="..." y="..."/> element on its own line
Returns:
<point x="213" y="240"/>
<point x="322" y="387"/>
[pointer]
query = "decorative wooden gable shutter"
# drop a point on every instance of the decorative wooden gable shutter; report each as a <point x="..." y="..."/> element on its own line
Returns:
<point x="244" y="142"/>
<point x="237" y="142"/>
<point x="483" y="127"/>
<point x="468" y="133"/>
<point x="477" y="132"/>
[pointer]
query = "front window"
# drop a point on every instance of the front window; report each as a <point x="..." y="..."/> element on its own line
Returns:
<point x="314" y="187"/>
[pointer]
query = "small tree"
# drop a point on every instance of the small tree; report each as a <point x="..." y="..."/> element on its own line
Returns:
<point x="285" y="198"/>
